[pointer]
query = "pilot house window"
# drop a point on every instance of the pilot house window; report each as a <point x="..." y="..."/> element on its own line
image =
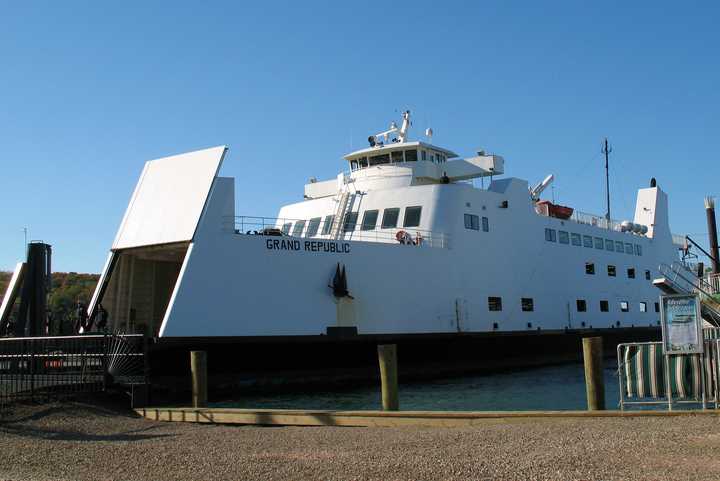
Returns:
<point x="397" y="156"/>
<point x="412" y="216"/>
<point x="379" y="159"/>
<point x="390" y="218"/>
<point x="369" y="220"/>
<point x="411" y="156"/>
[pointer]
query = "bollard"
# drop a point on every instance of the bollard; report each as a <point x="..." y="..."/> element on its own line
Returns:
<point x="198" y="369"/>
<point x="387" y="356"/>
<point x="594" y="380"/>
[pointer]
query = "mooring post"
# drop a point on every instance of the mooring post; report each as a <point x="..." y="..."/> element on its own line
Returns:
<point x="198" y="369"/>
<point x="387" y="356"/>
<point x="594" y="380"/>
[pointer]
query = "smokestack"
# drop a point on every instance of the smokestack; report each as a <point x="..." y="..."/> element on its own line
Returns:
<point x="712" y="233"/>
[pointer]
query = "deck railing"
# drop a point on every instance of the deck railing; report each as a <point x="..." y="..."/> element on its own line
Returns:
<point x="278" y="226"/>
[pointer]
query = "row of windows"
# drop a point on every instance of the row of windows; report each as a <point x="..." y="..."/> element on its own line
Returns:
<point x="527" y="305"/>
<point x="398" y="156"/>
<point x="612" y="271"/>
<point x="565" y="237"/>
<point x="369" y="221"/>
<point x="472" y="222"/>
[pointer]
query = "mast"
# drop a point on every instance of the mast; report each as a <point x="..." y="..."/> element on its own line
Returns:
<point x="606" y="150"/>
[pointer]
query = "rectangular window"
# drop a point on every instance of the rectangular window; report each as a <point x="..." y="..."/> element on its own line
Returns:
<point x="609" y="245"/>
<point x="526" y="303"/>
<point x="286" y="228"/>
<point x="589" y="268"/>
<point x="350" y="221"/>
<point x="495" y="303"/>
<point x="327" y="226"/>
<point x="412" y="216"/>
<point x="581" y="305"/>
<point x="619" y="247"/>
<point x="604" y="306"/>
<point x="397" y="156"/>
<point x="631" y="273"/>
<point x="643" y="307"/>
<point x="362" y="161"/>
<point x="611" y="271"/>
<point x="657" y="307"/>
<point x="299" y="228"/>
<point x="624" y="306"/>
<point x="313" y="227"/>
<point x="638" y="249"/>
<point x="628" y="248"/>
<point x="411" y="156"/>
<point x="423" y="155"/>
<point x="575" y="239"/>
<point x="550" y="235"/>
<point x="587" y="241"/>
<point x="472" y="222"/>
<point x="379" y="159"/>
<point x="486" y="224"/>
<point x="647" y="275"/>
<point x="563" y="237"/>
<point x="390" y="218"/>
<point x="599" y="243"/>
<point x="353" y="165"/>
<point x="369" y="219"/>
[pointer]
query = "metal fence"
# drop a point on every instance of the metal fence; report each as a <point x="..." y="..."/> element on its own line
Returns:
<point x="45" y="368"/>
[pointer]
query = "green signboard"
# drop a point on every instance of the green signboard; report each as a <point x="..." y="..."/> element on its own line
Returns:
<point x="681" y="324"/>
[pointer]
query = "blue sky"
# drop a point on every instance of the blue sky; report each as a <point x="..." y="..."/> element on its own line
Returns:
<point x="90" y="90"/>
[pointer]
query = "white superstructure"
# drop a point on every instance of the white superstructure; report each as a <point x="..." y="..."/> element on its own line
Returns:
<point x="401" y="243"/>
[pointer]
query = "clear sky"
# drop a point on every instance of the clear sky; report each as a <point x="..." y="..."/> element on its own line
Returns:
<point x="91" y="90"/>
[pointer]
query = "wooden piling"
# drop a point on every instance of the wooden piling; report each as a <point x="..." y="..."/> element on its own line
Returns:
<point x="594" y="378"/>
<point x="387" y="356"/>
<point x="198" y="369"/>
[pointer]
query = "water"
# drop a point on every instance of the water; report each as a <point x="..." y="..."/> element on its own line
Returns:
<point x="559" y="387"/>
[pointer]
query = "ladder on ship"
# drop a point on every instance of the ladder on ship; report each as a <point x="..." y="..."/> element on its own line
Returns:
<point x="678" y="279"/>
<point x="344" y="202"/>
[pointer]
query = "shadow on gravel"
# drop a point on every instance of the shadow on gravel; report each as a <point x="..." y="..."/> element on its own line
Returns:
<point x="64" y="435"/>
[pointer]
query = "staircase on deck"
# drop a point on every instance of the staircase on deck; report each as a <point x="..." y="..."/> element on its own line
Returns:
<point x="678" y="279"/>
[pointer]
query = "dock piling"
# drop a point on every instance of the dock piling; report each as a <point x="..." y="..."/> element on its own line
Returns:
<point x="594" y="380"/>
<point x="387" y="356"/>
<point x="198" y="369"/>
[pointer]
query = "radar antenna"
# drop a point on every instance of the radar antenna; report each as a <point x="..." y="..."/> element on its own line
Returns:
<point x="374" y="140"/>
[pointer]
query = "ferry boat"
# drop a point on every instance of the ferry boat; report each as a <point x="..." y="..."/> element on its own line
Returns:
<point x="410" y="240"/>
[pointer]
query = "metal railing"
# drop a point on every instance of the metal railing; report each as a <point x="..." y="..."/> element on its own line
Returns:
<point x="277" y="226"/>
<point x="44" y="368"/>
<point x="713" y="283"/>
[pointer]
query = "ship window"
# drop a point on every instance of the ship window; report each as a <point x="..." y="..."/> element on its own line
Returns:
<point x="526" y="304"/>
<point x="390" y="218"/>
<point x="631" y="273"/>
<point x="362" y="162"/>
<point x="486" y="224"/>
<point x="624" y="306"/>
<point x="299" y="228"/>
<point x="328" y="224"/>
<point x="628" y="248"/>
<point x="609" y="245"/>
<point x="599" y="243"/>
<point x="495" y="325"/>
<point x="581" y="305"/>
<point x="397" y="156"/>
<point x="604" y="306"/>
<point x="611" y="271"/>
<point x="587" y="241"/>
<point x="313" y="226"/>
<point x="589" y="268"/>
<point x="550" y="234"/>
<point x="432" y="158"/>
<point x="619" y="246"/>
<point x="286" y="228"/>
<point x="495" y="303"/>
<point x="647" y="275"/>
<point x="643" y="307"/>
<point x="369" y="219"/>
<point x="423" y="155"/>
<point x="657" y="307"/>
<point x="379" y="159"/>
<point x="412" y="216"/>
<point x="563" y="237"/>
<point x="638" y="249"/>
<point x="410" y="155"/>
<point x="575" y="239"/>
<point x="472" y="222"/>
<point x="353" y="165"/>
<point x="350" y="221"/>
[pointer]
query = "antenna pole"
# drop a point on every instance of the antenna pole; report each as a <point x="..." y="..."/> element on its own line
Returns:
<point x="606" y="150"/>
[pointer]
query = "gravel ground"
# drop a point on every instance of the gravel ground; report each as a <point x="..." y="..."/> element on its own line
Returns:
<point x="101" y="441"/>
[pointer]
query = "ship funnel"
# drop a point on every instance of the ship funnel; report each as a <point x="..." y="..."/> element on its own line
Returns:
<point x="538" y="189"/>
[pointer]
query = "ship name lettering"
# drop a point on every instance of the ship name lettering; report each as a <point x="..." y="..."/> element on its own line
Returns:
<point x="308" y="246"/>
